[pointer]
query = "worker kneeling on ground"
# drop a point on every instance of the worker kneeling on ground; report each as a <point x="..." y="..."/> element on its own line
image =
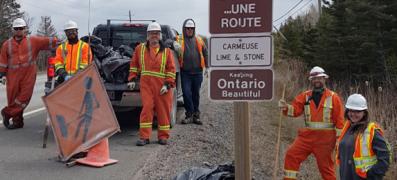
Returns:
<point x="323" y="114"/>
<point x="156" y="67"/>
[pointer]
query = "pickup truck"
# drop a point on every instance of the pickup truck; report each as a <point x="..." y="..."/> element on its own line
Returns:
<point x="123" y="38"/>
<point x="112" y="46"/>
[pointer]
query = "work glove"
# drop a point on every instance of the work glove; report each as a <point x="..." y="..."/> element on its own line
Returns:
<point x="131" y="85"/>
<point x="164" y="89"/>
<point x="282" y="104"/>
<point x="3" y="80"/>
<point x="67" y="77"/>
<point x="62" y="73"/>
<point x="206" y="72"/>
<point x="177" y="47"/>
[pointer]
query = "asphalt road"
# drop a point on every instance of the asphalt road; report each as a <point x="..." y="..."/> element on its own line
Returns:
<point x="22" y="156"/>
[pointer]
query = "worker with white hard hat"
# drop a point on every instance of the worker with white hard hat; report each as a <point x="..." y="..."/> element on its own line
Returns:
<point x="18" y="70"/>
<point x="363" y="152"/>
<point x="323" y="114"/>
<point x="193" y="60"/>
<point x="155" y="65"/>
<point x="73" y="55"/>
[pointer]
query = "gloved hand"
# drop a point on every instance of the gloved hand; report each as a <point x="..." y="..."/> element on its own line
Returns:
<point x="67" y="77"/>
<point x="3" y="80"/>
<point x="206" y="72"/>
<point x="131" y="85"/>
<point x="177" y="47"/>
<point x="62" y="73"/>
<point x="164" y="89"/>
<point x="282" y="104"/>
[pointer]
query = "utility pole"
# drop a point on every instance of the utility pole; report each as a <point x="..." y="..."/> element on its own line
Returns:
<point x="319" y="8"/>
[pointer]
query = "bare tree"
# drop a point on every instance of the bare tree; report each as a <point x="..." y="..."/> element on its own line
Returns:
<point x="46" y="28"/>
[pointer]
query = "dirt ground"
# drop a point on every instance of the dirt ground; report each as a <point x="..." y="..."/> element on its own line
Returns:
<point x="194" y="146"/>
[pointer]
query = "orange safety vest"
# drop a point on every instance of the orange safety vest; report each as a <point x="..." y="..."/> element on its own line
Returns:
<point x="316" y="118"/>
<point x="161" y="73"/>
<point x="199" y="44"/>
<point x="363" y="156"/>
<point x="73" y="58"/>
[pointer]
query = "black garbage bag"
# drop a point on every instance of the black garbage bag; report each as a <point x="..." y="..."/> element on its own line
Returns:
<point x="100" y="52"/>
<point x="116" y="68"/>
<point x="125" y="50"/>
<point x="221" y="172"/>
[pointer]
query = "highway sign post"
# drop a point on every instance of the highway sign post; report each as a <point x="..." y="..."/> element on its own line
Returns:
<point x="240" y="62"/>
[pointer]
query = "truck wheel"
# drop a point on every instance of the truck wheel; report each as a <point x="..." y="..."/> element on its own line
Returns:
<point x="174" y="107"/>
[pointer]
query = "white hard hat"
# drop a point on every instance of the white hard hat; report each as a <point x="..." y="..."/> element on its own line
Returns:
<point x="190" y="23"/>
<point x="356" y="102"/>
<point x="18" y="22"/>
<point x="70" y="25"/>
<point x="154" y="26"/>
<point x="317" y="72"/>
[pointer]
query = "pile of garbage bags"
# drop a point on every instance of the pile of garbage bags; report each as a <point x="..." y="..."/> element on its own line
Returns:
<point x="220" y="172"/>
<point x="112" y="65"/>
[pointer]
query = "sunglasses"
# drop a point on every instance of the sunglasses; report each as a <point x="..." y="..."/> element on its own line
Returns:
<point x="70" y="31"/>
<point x="19" y="28"/>
<point x="189" y="28"/>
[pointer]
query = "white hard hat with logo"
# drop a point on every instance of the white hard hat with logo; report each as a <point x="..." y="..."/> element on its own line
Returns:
<point x="154" y="26"/>
<point x="18" y="22"/>
<point x="190" y="24"/>
<point x="70" y="25"/>
<point x="356" y="102"/>
<point x="317" y="72"/>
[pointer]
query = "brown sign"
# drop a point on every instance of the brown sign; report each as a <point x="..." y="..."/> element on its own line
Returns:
<point x="241" y="85"/>
<point x="240" y="16"/>
<point x="80" y="112"/>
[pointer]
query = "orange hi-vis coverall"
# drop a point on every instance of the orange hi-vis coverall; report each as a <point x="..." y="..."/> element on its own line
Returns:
<point x="18" y="61"/>
<point x="73" y="57"/>
<point x="323" y="124"/>
<point x="156" y="67"/>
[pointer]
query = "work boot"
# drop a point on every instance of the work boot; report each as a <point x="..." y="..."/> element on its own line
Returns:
<point x="163" y="142"/>
<point x="17" y="122"/>
<point x="142" y="142"/>
<point x="196" y="118"/>
<point x="188" y="118"/>
<point x="6" y="118"/>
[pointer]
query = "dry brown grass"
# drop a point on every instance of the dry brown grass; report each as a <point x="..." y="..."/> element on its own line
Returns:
<point x="381" y="102"/>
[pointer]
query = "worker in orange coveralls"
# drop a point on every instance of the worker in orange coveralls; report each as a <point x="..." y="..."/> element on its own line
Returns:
<point x="18" y="70"/>
<point x="323" y="113"/>
<point x="156" y="67"/>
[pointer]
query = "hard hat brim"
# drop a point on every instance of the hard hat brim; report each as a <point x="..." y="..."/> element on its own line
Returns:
<point x="17" y="26"/>
<point x="319" y="75"/>
<point x="356" y="108"/>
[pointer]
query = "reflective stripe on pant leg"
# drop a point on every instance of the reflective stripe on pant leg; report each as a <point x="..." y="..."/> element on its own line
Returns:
<point x="163" y="109"/>
<point x="297" y="153"/>
<point x="146" y="117"/>
<point x="290" y="174"/>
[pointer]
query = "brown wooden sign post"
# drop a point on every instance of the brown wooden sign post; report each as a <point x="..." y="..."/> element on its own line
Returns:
<point x="229" y="81"/>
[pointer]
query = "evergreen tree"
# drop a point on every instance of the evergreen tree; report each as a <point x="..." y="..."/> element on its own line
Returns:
<point x="9" y="10"/>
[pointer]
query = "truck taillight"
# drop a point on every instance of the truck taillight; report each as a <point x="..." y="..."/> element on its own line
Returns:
<point x="51" y="68"/>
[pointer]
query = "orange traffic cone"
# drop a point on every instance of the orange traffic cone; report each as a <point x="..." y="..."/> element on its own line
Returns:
<point x="98" y="156"/>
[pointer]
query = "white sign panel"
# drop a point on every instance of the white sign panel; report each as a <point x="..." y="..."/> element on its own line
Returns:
<point x="244" y="51"/>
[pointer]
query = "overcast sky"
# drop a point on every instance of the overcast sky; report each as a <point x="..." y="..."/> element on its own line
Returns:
<point x="171" y="12"/>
